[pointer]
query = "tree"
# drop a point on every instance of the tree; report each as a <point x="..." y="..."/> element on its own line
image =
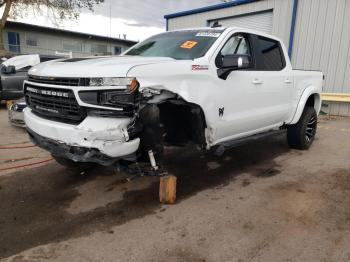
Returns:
<point x="58" y="9"/>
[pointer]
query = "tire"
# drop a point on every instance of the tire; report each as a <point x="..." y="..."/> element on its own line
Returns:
<point x="70" y="164"/>
<point x="302" y="134"/>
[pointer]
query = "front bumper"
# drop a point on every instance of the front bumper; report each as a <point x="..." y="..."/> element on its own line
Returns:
<point x="108" y="136"/>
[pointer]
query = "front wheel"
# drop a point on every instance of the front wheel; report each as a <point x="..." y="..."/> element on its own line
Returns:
<point x="302" y="134"/>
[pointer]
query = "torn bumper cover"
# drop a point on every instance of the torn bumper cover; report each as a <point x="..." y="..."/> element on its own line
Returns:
<point x="100" y="140"/>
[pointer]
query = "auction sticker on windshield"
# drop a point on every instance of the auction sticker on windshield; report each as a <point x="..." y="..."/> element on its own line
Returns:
<point x="208" y="34"/>
<point x="188" y="44"/>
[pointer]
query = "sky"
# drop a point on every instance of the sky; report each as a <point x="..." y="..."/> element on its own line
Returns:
<point x="138" y="19"/>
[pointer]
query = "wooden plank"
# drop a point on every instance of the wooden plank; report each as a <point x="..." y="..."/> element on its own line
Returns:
<point x="167" y="189"/>
<point x="9" y="103"/>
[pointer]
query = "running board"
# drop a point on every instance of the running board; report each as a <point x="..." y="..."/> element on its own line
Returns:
<point x="222" y="147"/>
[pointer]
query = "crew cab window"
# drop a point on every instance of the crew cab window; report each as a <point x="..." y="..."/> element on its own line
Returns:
<point x="236" y="45"/>
<point x="269" y="55"/>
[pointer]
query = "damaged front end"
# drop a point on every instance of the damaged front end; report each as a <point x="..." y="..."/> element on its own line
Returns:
<point x="164" y="118"/>
<point x="107" y="125"/>
<point x="84" y="123"/>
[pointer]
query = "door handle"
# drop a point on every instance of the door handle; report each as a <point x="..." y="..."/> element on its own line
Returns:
<point x="257" y="81"/>
<point x="288" y="81"/>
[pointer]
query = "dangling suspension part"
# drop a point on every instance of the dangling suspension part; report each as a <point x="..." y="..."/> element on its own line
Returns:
<point x="152" y="160"/>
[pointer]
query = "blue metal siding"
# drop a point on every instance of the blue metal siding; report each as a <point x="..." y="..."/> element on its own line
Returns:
<point x="292" y="28"/>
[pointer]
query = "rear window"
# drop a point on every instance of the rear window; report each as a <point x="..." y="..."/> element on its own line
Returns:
<point x="269" y="55"/>
<point x="182" y="45"/>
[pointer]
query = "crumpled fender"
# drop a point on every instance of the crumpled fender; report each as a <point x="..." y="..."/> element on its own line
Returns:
<point x="309" y="91"/>
<point x="177" y="77"/>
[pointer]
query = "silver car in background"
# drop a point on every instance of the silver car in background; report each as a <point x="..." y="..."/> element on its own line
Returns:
<point x="16" y="116"/>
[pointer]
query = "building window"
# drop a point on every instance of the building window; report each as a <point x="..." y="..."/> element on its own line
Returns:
<point x="31" y="40"/>
<point x="98" y="49"/>
<point x="72" y="46"/>
<point x="117" y="50"/>
<point x="14" y="42"/>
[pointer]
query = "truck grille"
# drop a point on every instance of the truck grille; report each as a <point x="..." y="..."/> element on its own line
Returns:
<point x="54" y="104"/>
<point x="63" y="81"/>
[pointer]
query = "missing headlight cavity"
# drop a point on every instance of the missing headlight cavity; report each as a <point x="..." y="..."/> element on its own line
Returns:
<point x="171" y="122"/>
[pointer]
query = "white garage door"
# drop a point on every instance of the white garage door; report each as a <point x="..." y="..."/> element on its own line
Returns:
<point x="260" y="22"/>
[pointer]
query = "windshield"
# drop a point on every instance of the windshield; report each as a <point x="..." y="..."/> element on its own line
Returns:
<point x="182" y="45"/>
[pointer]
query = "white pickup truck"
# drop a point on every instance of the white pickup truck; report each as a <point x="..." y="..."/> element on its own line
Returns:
<point x="208" y="86"/>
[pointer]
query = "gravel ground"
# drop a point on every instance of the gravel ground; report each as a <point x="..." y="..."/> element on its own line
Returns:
<point x="259" y="202"/>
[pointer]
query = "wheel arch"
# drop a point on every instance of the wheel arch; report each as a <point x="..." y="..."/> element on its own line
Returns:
<point x="176" y="113"/>
<point x="311" y="97"/>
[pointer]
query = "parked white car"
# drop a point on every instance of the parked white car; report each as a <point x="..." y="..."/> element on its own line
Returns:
<point x="209" y="86"/>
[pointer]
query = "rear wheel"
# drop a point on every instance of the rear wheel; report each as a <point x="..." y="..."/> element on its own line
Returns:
<point x="70" y="164"/>
<point x="302" y="134"/>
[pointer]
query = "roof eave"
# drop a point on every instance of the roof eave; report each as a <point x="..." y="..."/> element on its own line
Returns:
<point x="209" y="8"/>
<point x="64" y="31"/>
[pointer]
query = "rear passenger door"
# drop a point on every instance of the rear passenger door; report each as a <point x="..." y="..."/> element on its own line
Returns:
<point x="272" y="80"/>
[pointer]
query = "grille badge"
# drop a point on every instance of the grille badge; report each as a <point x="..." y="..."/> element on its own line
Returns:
<point x="48" y="92"/>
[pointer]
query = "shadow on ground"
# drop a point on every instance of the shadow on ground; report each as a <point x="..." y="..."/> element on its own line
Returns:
<point x="33" y="203"/>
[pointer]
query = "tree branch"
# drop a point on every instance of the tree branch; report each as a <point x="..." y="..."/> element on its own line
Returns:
<point x="6" y="12"/>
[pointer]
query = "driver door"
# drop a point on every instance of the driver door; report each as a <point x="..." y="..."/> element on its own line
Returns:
<point x="241" y="109"/>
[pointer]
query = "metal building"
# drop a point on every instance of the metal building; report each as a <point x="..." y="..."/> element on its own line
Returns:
<point x="316" y="33"/>
<point x="22" y="38"/>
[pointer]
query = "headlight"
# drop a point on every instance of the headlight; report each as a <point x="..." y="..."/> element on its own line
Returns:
<point x="130" y="82"/>
<point x="121" y="99"/>
<point x="110" y="81"/>
<point x="109" y="98"/>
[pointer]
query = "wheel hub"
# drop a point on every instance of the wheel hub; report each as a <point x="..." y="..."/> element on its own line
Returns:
<point x="311" y="129"/>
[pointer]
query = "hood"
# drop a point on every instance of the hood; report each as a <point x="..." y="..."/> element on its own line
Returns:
<point x="117" y="66"/>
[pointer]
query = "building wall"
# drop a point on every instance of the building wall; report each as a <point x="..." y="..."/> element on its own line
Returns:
<point x="49" y="43"/>
<point x="282" y="10"/>
<point x="321" y="40"/>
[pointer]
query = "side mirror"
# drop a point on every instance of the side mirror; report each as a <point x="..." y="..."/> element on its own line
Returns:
<point x="10" y="69"/>
<point x="235" y="61"/>
<point x="230" y="63"/>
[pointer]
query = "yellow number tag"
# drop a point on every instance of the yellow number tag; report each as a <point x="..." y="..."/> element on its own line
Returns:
<point x="188" y="44"/>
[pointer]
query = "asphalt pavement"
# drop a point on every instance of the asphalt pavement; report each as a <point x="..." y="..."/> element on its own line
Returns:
<point x="258" y="202"/>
